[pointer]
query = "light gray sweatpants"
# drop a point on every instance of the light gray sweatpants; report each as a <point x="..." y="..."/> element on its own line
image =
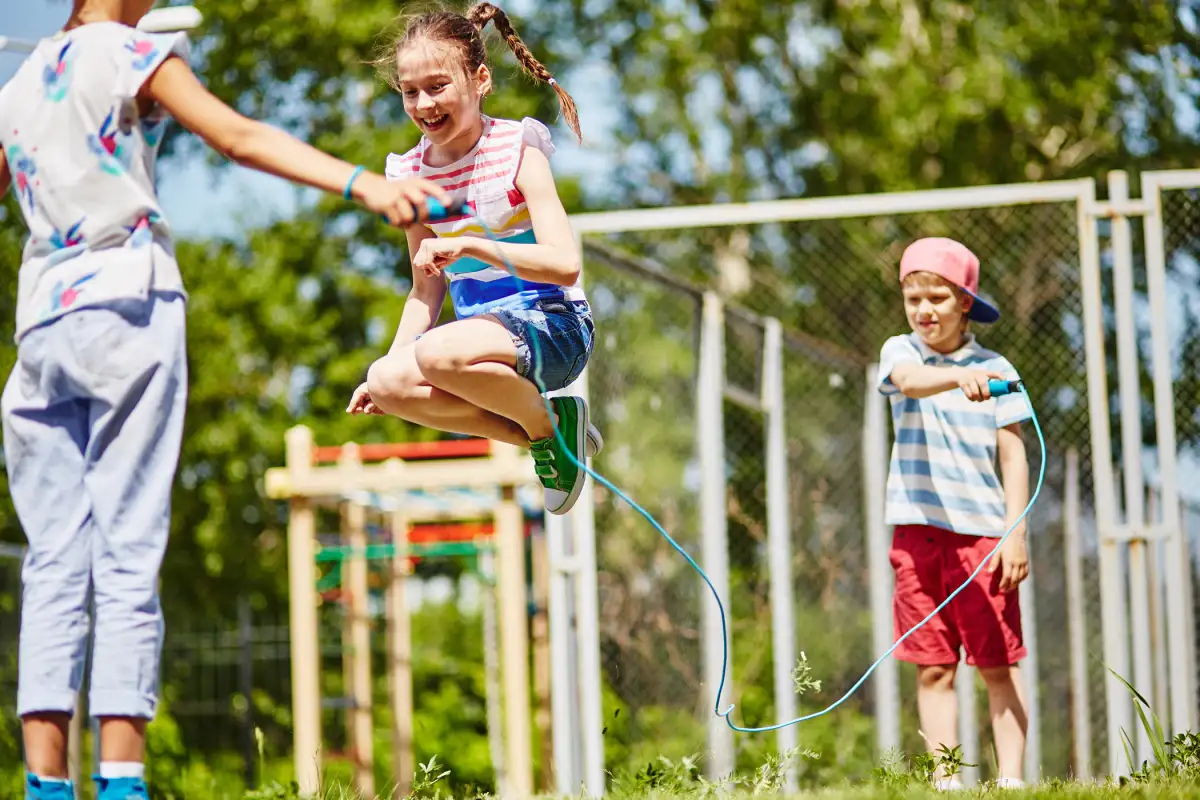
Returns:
<point x="93" y="418"/>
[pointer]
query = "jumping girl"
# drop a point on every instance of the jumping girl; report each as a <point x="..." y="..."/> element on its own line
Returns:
<point x="93" y="409"/>
<point x="484" y="373"/>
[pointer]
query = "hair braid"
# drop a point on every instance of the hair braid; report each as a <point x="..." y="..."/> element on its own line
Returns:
<point x="483" y="13"/>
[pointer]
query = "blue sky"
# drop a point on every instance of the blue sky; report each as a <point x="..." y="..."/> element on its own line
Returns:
<point x="201" y="202"/>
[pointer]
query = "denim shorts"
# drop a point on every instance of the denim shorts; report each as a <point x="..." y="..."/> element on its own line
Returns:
<point x="554" y="340"/>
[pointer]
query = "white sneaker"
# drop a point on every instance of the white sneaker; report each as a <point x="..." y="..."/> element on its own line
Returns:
<point x="594" y="443"/>
<point x="954" y="784"/>
<point x="1010" y="783"/>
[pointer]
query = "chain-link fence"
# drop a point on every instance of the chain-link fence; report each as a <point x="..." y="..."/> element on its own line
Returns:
<point x="832" y="283"/>
<point x="1181" y="225"/>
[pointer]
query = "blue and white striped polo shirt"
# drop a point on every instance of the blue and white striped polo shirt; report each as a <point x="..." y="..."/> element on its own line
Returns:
<point x="943" y="467"/>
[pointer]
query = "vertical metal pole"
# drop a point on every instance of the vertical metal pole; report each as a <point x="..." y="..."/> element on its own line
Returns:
<point x="779" y="544"/>
<point x="564" y="678"/>
<point x="710" y="430"/>
<point x="491" y="671"/>
<point x="1186" y="561"/>
<point x="968" y="721"/>
<point x="886" y="680"/>
<point x="514" y="642"/>
<point x="1178" y="575"/>
<point x="400" y="655"/>
<point x="1131" y="446"/>
<point x="302" y="587"/>
<point x="587" y="610"/>
<point x="1112" y="590"/>
<point x="1081" y="727"/>
<point x="1029" y="674"/>
<point x="538" y="630"/>
<point x="1158" y="625"/>
<point x="246" y="687"/>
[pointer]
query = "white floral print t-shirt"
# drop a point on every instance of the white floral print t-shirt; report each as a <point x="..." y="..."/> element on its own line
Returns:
<point x="83" y="169"/>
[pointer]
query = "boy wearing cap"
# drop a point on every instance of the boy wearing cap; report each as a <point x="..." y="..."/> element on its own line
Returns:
<point x="948" y="504"/>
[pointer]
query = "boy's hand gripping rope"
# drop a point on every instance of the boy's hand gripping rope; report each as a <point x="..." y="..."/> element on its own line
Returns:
<point x="436" y="211"/>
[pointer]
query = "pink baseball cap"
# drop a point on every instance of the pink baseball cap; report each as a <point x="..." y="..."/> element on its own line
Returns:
<point x="954" y="262"/>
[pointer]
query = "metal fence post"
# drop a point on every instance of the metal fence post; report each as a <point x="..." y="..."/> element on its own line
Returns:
<point x="779" y="543"/>
<point x="710" y="431"/>
<point x="1131" y="447"/>
<point x="246" y="687"/>
<point x="564" y="677"/>
<point x="1178" y="575"/>
<point x="1033" y="702"/>
<point x="1112" y="589"/>
<point x="1081" y="727"/>
<point x="968" y="721"/>
<point x="587" y="622"/>
<point x="886" y="680"/>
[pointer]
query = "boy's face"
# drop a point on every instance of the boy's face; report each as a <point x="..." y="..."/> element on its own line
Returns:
<point x="936" y="310"/>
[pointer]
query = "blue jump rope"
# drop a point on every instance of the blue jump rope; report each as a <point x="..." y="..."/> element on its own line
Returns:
<point x="436" y="211"/>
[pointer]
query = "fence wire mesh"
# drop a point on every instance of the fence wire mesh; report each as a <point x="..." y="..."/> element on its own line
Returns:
<point x="1181" y="224"/>
<point x="832" y="283"/>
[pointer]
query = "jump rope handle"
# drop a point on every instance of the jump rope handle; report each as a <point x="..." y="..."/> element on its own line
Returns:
<point x="998" y="387"/>
<point x="437" y="212"/>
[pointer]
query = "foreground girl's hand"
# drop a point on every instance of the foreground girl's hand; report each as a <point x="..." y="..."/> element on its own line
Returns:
<point x="361" y="403"/>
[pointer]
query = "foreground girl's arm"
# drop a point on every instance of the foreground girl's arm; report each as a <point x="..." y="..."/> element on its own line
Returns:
<point x="554" y="259"/>
<point x="267" y="149"/>
<point x="420" y="313"/>
<point x="425" y="300"/>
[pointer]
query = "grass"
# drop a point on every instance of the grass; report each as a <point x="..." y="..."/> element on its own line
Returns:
<point x="1174" y="772"/>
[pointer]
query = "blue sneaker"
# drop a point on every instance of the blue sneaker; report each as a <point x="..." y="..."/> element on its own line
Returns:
<point x="120" y="788"/>
<point x="48" y="789"/>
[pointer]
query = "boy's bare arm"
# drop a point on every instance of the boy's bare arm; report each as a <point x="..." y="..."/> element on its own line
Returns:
<point x="924" y="380"/>
<point x="1014" y="475"/>
<point x="5" y="175"/>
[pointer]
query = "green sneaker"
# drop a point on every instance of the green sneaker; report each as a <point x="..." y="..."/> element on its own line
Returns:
<point x="561" y="477"/>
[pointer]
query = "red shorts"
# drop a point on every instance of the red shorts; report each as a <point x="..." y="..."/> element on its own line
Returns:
<point x="930" y="563"/>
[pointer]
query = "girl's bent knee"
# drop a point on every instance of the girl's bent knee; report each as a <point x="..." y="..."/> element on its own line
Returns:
<point x="391" y="386"/>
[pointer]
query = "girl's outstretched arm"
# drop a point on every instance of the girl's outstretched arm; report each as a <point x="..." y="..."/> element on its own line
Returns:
<point x="425" y="299"/>
<point x="267" y="149"/>
<point x="554" y="259"/>
<point x="5" y="175"/>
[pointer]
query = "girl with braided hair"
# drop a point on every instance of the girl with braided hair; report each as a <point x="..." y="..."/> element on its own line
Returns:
<point x="484" y="373"/>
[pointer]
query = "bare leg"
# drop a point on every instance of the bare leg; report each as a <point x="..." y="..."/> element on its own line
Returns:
<point x="937" y="706"/>
<point x="475" y="359"/>
<point x="46" y="743"/>
<point x="398" y="388"/>
<point x="1010" y="721"/>
<point x="123" y="739"/>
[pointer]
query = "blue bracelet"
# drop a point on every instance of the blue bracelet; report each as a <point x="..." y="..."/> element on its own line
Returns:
<point x="350" y="183"/>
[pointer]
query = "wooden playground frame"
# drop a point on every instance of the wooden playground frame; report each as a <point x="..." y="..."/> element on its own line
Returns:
<point x="343" y="477"/>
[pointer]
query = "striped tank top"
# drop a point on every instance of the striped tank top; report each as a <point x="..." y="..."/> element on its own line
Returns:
<point x="485" y="179"/>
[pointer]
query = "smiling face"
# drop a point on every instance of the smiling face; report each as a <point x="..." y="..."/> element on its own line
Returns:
<point x="936" y="310"/>
<point x="441" y="95"/>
